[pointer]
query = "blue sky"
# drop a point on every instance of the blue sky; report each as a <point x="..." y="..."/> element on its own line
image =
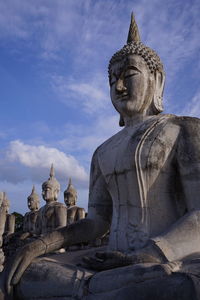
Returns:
<point x="55" y="104"/>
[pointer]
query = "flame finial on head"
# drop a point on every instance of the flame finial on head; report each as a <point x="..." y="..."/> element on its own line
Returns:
<point x="33" y="190"/>
<point x="52" y="172"/>
<point x="133" y="34"/>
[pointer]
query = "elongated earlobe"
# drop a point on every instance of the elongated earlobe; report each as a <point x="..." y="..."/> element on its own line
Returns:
<point x="121" y="121"/>
<point x="158" y="95"/>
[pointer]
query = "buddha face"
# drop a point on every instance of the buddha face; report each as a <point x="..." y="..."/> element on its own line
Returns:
<point x="6" y="206"/>
<point x="32" y="204"/>
<point x="69" y="199"/>
<point x="132" y="86"/>
<point x="49" y="193"/>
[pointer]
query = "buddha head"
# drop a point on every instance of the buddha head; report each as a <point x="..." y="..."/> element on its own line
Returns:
<point x="136" y="78"/>
<point x="51" y="188"/>
<point x="5" y="203"/>
<point x="33" y="200"/>
<point x="70" y="195"/>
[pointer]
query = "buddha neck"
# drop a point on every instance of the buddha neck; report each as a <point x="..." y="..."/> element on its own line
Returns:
<point x="135" y="120"/>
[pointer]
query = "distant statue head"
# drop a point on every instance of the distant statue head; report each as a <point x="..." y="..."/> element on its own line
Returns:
<point x="70" y="195"/>
<point x="136" y="78"/>
<point x="5" y="203"/>
<point x="33" y="200"/>
<point x="51" y="187"/>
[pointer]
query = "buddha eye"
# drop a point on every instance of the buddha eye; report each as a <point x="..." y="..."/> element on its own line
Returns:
<point x="131" y="72"/>
<point x="113" y="79"/>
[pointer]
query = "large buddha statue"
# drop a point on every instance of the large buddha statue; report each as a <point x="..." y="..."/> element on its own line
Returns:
<point x="30" y="218"/>
<point x="53" y="215"/>
<point x="74" y="212"/>
<point x="144" y="188"/>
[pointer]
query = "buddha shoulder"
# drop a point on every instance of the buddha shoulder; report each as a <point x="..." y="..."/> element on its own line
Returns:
<point x="111" y="142"/>
<point x="189" y="139"/>
<point x="189" y="125"/>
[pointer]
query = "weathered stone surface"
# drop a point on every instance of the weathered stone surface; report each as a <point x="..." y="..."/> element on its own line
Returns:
<point x="144" y="188"/>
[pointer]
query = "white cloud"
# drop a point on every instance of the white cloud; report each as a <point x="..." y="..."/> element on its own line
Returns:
<point x="95" y="30"/>
<point x="193" y="106"/>
<point x="173" y="32"/>
<point x="91" y="95"/>
<point x="41" y="157"/>
<point x="84" y="140"/>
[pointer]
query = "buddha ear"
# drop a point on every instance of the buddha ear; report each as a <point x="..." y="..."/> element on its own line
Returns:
<point x="158" y="94"/>
<point x="56" y="192"/>
<point x="121" y="121"/>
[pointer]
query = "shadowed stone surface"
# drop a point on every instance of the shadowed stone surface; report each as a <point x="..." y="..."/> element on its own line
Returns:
<point x="144" y="189"/>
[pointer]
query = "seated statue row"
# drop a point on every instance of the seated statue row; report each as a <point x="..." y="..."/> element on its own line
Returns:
<point x="54" y="214"/>
<point x="144" y="187"/>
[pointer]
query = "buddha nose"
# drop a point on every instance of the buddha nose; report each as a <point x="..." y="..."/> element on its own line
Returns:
<point x="120" y="87"/>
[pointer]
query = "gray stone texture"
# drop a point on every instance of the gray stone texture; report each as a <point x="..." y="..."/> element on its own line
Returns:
<point x="144" y="189"/>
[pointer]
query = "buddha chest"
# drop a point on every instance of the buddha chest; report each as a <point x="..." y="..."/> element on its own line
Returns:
<point x="52" y="216"/>
<point x="136" y="165"/>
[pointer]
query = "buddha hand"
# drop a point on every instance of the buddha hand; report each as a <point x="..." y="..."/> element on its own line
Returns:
<point x="114" y="259"/>
<point x="107" y="260"/>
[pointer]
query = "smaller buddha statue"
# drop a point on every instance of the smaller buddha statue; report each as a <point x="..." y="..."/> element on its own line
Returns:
<point x="2" y="217"/>
<point x="74" y="212"/>
<point x="2" y="227"/>
<point x="30" y="218"/>
<point x="10" y="218"/>
<point x="53" y="214"/>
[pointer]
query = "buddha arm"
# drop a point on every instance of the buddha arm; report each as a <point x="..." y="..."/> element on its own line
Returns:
<point x="61" y="216"/>
<point x="10" y="224"/>
<point x="80" y="213"/>
<point x="183" y="237"/>
<point x="25" y="223"/>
